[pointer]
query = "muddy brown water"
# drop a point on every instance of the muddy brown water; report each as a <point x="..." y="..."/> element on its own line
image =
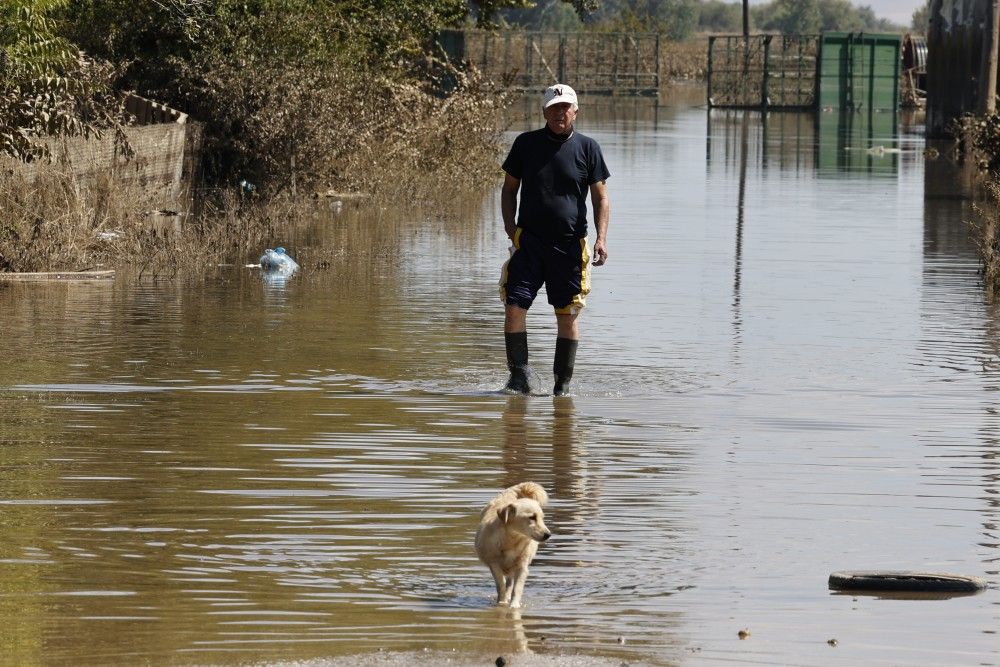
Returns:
<point x="788" y="368"/>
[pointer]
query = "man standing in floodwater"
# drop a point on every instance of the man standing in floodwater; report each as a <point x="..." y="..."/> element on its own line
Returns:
<point x="553" y="168"/>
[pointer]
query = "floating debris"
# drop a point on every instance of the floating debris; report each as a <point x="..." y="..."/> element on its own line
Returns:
<point x="278" y="261"/>
<point x="895" y="580"/>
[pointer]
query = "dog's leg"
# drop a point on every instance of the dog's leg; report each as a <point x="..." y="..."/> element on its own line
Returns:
<point x="517" y="583"/>
<point x="503" y="590"/>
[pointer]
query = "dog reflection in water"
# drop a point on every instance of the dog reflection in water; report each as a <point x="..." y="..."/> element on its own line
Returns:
<point x="510" y="528"/>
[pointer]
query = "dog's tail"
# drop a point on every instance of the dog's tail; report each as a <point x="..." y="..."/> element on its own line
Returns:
<point x="530" y="490"/>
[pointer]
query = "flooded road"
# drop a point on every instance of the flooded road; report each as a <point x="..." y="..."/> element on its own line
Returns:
<point x="787" y="369"/>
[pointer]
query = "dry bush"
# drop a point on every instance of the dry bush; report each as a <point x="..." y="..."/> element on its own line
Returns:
<point x="978" y="138"/>
<point x="986" y="233"/>
<point x="55" y="221"/>
<point x="440" y="148"/>
<point x="687" y="60"/>
<point x="315" y="129"/>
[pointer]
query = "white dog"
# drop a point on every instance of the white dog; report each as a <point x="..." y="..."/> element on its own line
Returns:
<point x="510" y="528"/>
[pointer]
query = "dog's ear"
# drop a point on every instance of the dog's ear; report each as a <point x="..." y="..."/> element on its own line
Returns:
<point x="506" y="513"/>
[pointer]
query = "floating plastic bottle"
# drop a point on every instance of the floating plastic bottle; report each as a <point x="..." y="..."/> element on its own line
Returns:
<point x="278" y="261"/>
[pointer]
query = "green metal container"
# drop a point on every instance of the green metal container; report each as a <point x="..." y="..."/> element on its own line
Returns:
<point x="859" y="71"/>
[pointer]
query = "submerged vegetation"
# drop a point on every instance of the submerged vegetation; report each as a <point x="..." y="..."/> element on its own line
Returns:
<point x="978" y="141"/>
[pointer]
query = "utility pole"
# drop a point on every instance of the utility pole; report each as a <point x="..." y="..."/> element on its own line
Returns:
<point x="988" y="68"/>
<point x="746" y="40"/>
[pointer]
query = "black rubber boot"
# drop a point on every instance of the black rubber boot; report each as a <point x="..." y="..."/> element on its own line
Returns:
<point x="563" y="365"/>
<point x="517" y="362"/>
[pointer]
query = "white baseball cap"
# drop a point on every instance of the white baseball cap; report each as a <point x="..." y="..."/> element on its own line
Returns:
<point x="558" y="93"/>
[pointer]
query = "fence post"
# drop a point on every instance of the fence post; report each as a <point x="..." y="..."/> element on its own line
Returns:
<point x="764" y="75"/>
<point x="708" y="74"/>
<point x="529" y="76"/>
<point x="657" y="81"/>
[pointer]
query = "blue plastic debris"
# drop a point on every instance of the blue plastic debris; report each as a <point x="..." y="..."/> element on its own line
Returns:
<point x="278" y="261"/>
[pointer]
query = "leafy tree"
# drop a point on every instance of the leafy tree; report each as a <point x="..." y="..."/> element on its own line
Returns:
<point x="48" y="88"/>
<point x="555" y="15"/>
<point x="720" y="16"/>
<point x="677" y="19"/>
<point x="794" y="17"/>
<point x="921" y="18"/>
<point x="811" y="16"/>
<point x="487" y="11"/>
<point x="841" y="15"/>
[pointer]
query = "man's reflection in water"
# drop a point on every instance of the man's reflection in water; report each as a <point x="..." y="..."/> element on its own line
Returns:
<point x="543" y="443"/>
<point x="545" y="446"/>
<point x="527" y="454"/>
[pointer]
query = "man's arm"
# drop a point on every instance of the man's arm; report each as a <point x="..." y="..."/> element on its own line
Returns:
<point x="508" y="204"/>
<point x="602" y="215"/>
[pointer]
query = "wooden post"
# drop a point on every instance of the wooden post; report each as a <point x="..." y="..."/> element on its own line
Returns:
<point x="988" y="69"/>
<point x="658" y="64"/>
<point x="764" y="101"/>
<point x="529" y="45"/>
<point x="708" y="74"/>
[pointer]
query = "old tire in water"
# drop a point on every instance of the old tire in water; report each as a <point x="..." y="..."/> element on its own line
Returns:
<point x="915" y="582"/>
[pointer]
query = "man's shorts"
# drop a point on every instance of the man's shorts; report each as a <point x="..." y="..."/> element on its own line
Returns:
<point x="563" y="266"/>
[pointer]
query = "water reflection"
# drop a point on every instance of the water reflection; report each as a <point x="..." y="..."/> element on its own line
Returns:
<point x="833" y="144"/>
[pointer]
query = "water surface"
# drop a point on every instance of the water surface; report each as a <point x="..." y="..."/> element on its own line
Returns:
<point x="787" y="369"/>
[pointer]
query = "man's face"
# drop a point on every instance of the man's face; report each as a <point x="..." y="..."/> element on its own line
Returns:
<point x="560" y="117"/>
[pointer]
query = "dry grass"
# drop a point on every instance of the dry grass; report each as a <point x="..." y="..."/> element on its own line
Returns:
<point x="977" y="141"/>
<point x="55" y="222"/>
<point x="986" y="233"/>
<point x="437" y="151"/>
<point x="687" y="60"/>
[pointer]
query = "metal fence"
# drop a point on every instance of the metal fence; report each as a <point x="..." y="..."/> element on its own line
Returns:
<point x="595" y="63"/>
<point x="763" y="71"/>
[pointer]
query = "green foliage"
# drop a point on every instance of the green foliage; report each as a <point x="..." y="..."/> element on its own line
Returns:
<point x="487" y="11"/>
<point x="790" y="17"/>
<point x="555" y="15"/>
<point x="677" y="19"/>
<point x="921" y="18"/>
<point x="283" y="86"/>
<point x="534" y="14"/>
<point x="720" y="17"/>
<point x="813" y="16"/>
<point x="842" y="15"/>
<point x="47" y="87"/>
<point x="155" y="35"/>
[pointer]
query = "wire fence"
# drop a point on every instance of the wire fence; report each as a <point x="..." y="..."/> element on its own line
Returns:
<point x="595" y="63"/>
<point x="763" y="71"/>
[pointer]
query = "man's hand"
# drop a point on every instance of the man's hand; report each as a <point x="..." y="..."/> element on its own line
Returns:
<point x="602" y="214"/>
<point x="508" y="204"/>
<point x="600" y="252"/>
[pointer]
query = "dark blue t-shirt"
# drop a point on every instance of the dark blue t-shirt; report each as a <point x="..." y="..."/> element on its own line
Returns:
<point x="555" y="176"/>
